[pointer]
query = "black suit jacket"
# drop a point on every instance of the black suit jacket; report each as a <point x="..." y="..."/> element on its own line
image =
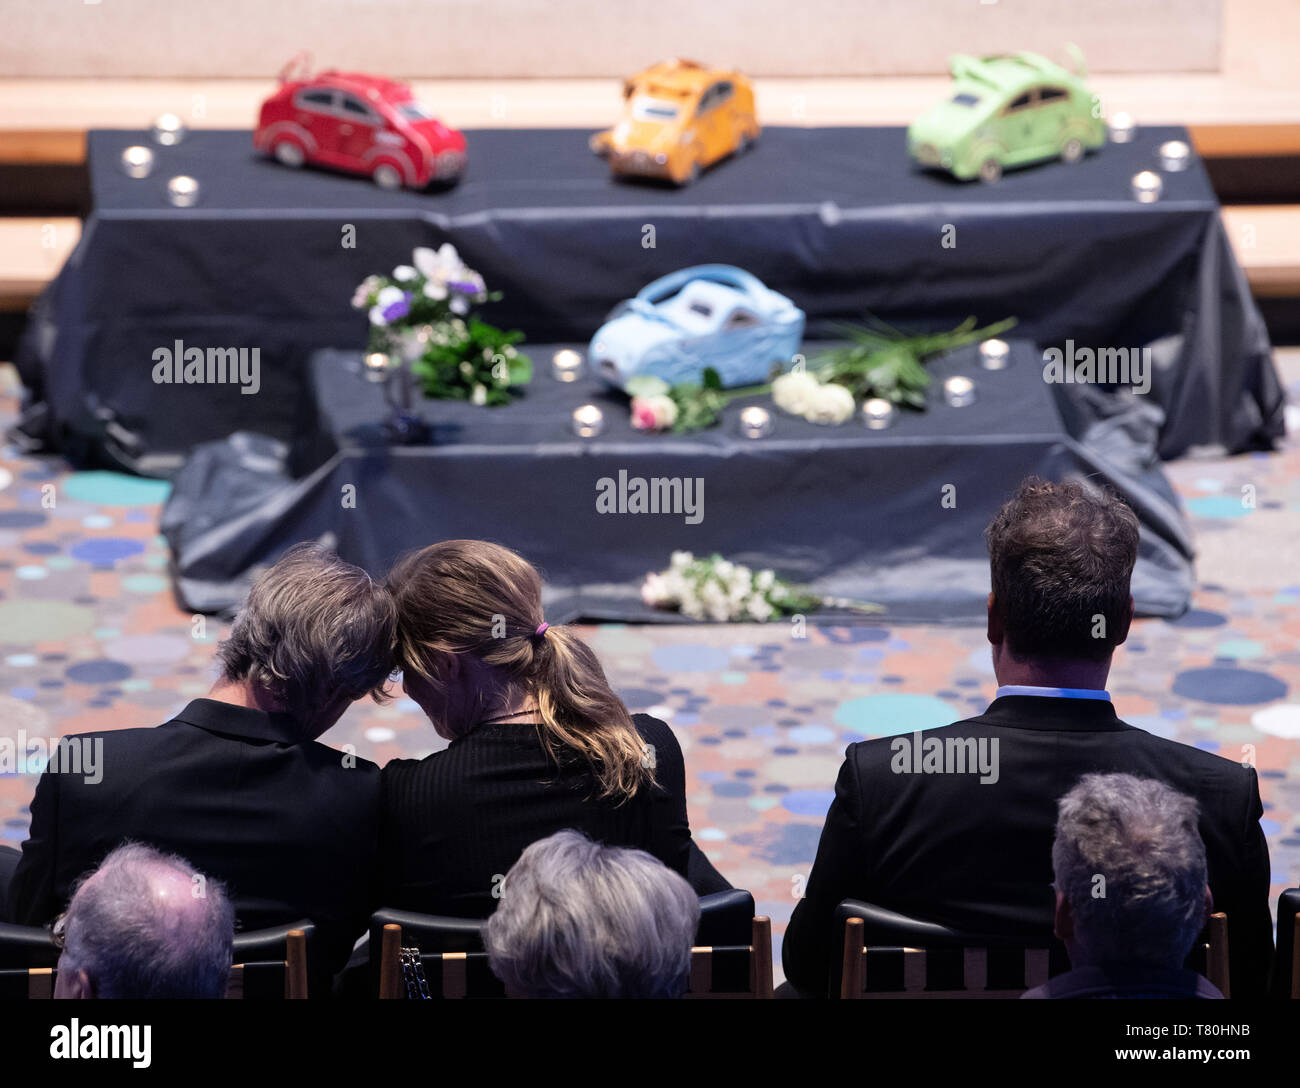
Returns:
<point x="455" y="821"/>
<point x="289" y="826"/>
<point x="946" y="848"/>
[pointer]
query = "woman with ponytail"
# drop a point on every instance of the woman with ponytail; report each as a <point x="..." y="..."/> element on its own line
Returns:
<point x="539" y="740"/>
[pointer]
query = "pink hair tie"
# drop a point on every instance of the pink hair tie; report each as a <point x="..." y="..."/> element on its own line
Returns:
<point x="541" y="630"/>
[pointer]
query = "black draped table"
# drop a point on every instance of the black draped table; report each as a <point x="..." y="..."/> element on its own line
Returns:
<point x="836" y="218"/>
<point x="894" y="517"/>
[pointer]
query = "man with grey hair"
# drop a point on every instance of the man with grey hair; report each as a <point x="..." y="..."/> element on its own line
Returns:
<point x="145" y="925"/>
<point x="237" y="782"/>
<point x="1131" y="891"/>
<point x="579" y="919"/>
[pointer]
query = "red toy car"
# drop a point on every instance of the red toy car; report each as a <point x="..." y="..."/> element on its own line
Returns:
<point x="360" y="124"/>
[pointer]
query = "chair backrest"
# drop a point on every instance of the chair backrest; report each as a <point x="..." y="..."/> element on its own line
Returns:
<point x="726" y="918"/>
<point x="428" y="932"/>
<point x="26" y="946"/>
<point x="435" y="935"/>
<point x="1210" y="953"/>
<point x="448" y="975"/>
<point x="1286" y="965"/>
<point x="886" y="954"/>
<point x="267" y="963"/>
<point x="35" y="983"/>
<point x="734" y="971"/>
<point x="272" y="963"/>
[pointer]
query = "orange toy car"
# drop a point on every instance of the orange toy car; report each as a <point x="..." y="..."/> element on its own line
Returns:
<point x="679" y="117"/>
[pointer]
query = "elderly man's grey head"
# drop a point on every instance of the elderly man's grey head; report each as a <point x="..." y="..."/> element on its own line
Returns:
<point x="1129" y="860"/>
<point x="146" y="925"/>
<point x="578" y="919"/>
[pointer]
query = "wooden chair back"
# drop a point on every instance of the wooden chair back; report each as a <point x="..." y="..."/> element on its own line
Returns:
<point x="964" y="969"/>
<point x="260" y="978"/>
<point x="728" y="971"/>
<point x="734" y="971"/>
<point x="30" y="983"/>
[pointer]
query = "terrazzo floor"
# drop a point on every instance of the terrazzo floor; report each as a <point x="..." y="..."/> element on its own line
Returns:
<point x="90" y="638"/>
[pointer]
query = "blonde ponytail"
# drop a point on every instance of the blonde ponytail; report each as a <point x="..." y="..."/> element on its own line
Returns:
<point x="473" y="597"/>
<point x="581" y="713"/>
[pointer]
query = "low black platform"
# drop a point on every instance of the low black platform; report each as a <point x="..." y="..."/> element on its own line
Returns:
<point x="894" y="517"/>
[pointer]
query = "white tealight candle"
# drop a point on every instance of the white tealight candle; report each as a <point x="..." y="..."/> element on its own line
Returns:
<point x="168" y="130"/>
<point x="566" y="365"/>
<point x="877" y="413"/>
<point x="1146" y="187"/>
<point x="755" y="422"/>
<point x="137" y="161"/>
<point x="1175" y="155"/>
<point x="376" y="366"/>
<point x="1121" y="128"/>
<point x="994" y="354"/>
<point x="588" y="421"/>
<point x="959" y="391"/>
<point x="183" y="191"/>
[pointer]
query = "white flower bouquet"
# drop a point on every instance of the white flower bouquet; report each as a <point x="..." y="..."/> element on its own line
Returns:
<point x="718" y="590"/>
<point x="803" y="393"/>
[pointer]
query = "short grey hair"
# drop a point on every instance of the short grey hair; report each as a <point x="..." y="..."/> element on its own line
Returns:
<point x="313" y="628"/>
<point x="579" y="919"/>
<point x="134" y="942"/>
<point x="1142" y="838"/>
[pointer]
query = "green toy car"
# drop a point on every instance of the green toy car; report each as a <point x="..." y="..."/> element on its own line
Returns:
<point x="1008" y="111"/>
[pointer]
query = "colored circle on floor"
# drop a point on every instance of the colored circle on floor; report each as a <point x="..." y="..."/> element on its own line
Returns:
<point x="1158" y="726"/>
<point x="810" y="734"/>
<point x="21" y="519"/>
<point x="144" y="583"/>
<point x="1240" y="648"/>
<point x="98" y="672"/>
<point x="691" y="657"/>
<point x="1199" y="617"/>
<point x="1229" y="687"/>
<point x="115" y="489"/>
<point x="148" y="649"/>
<point x="1278" y="721"/>
<point x="808" y="802"/>
<point x="892" y="714"/>
<point x="25" y="622"/>
<point x="106" y="550"/>
<point x="1217" y="506"/>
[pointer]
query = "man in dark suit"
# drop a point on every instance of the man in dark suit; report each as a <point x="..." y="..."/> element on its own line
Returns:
<point x="955" y="825"/>
<point x="237" y="783"/>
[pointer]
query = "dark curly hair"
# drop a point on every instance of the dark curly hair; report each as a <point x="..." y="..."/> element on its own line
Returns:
<point x="1061" y="558"/>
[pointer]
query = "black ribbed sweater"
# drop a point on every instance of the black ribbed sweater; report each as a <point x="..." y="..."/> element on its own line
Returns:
<point x="454" y="822"/>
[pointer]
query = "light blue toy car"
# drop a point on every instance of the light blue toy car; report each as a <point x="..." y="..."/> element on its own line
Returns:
<point x="712" y="315"/>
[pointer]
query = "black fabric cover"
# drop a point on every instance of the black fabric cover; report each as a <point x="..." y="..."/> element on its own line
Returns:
<point x="856" y="513"/>
<point x="835" y="218"/>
